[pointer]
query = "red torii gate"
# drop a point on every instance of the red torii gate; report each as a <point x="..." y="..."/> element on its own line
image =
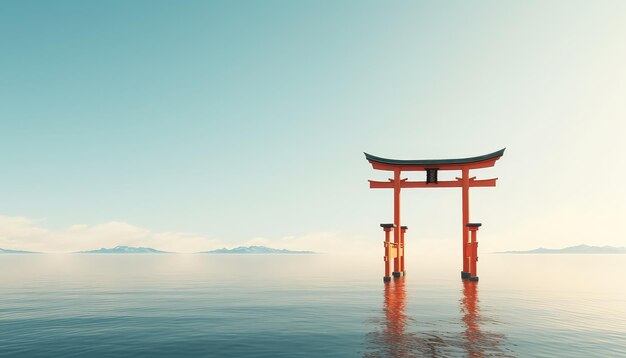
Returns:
<point x="395" y="250"/>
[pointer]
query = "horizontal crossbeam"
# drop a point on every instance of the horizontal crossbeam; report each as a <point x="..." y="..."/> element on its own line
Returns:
<point x="422" y="184"/>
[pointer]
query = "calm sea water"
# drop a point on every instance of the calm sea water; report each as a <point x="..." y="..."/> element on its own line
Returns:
<point x="310" y="306"/>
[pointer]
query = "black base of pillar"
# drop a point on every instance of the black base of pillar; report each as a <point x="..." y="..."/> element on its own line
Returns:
<point x="386" y="278"/>
<point x="473" y="278"/>
<point x="398" y="274"/>
<point x="465" y="274"/>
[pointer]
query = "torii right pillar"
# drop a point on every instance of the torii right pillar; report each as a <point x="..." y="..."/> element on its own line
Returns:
<point x="395" y="251"/>
<point x="472" y="253"/>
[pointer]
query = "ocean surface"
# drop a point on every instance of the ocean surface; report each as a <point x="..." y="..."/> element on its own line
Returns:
<point x="198" y="305"/>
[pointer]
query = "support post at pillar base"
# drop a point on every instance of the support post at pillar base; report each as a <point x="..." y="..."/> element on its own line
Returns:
<point x="386" y="278"/>
<point x="398" y="274"/>
<point x="473" y="278"/>
<point x="465" y="274"/>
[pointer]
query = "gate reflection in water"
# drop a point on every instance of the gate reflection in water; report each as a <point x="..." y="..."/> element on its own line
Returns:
<point x="400" y="335"/>
<point x="477" y="343"/>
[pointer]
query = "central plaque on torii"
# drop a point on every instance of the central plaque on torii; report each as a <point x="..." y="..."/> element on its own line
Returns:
<point x="395" y="250"/>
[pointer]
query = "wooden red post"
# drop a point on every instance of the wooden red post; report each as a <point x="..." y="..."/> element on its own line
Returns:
<point x="403" y="230"/>
<point x="465" y="205"/>
<point x="387" y="228"/>
<point x="473" y="251"/>
<point x="396" y="220"/>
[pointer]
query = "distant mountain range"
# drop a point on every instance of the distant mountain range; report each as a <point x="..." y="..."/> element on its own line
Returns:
<point x="254" y="250"/>
<point x="5" y="251"/>
<point x="148" y="250"/>
<point x="124" y="250"/>
<point x="580" y="249"/>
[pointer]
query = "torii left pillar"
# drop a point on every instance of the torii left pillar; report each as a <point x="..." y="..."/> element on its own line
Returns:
<point x="394" y="251"/>
<point x="390" y="250"/>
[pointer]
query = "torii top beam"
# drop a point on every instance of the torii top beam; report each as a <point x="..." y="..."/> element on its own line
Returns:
<point x="482" y="161"/>
<point x="463" y="164"/>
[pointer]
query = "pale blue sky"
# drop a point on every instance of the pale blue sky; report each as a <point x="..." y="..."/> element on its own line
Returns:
<point x="235" y="120"/>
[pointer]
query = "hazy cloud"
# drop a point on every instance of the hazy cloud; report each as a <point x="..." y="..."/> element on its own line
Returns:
<point x="25" y="234"/>
<point x="19" y="233"/>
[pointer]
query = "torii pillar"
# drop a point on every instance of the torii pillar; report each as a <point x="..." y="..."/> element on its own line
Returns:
<point x="395" y="250"/>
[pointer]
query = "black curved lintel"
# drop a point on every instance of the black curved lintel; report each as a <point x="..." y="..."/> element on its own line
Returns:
<point x="480" y="158"/>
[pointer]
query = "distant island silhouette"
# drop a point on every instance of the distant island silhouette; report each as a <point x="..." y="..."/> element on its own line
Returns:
<point x="254" y="250"/>
<point x="124" y="250"/>
<point x="148" y="250"/>
<point x="580" y="249"/>
<point x="6" y="251"/>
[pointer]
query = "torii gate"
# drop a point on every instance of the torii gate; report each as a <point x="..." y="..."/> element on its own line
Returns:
<point x="395" y="250"/>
